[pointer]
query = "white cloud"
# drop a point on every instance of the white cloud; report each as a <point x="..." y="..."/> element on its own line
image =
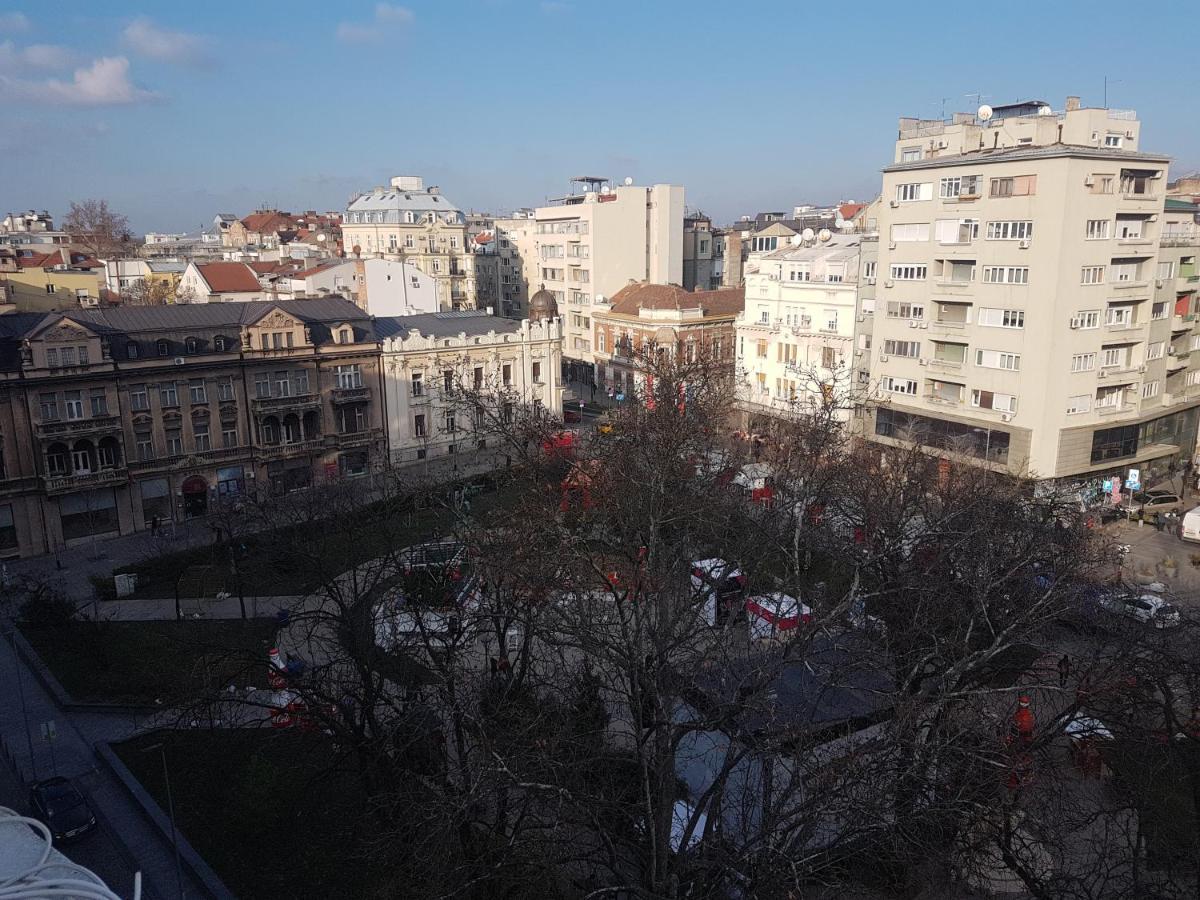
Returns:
<point x="104" y="83"/>
<point x="146" y="39"/>
<point x="14" y="59"/>
<point x="386" y="14"/>
<point x="14" y="21"/>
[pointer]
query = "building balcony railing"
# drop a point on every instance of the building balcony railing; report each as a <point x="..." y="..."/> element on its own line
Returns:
<point x="351" y="395"/>
<point x="1138" y="285"/>
<point x="1182" y="323"/>
<point x="946" y="364"/>
<point x="193" y="460"/>
<point x="65" y="484"/>
<point x="65" y="428"/>
<point x="1179" y="240"/>
<point x="1113" y="409"/>
<point x="1133" y="195"/>
<point x="354" y="438"/>
<point x="293" y="401"/>
<point x="297" y="448"/>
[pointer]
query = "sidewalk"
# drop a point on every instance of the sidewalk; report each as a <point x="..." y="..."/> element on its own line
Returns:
<point x="72" y="755"/>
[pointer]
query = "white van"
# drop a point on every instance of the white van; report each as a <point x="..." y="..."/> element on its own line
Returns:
<point x="1191" y="525"/>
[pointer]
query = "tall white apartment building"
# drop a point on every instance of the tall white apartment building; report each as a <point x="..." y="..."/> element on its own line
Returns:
<point x="1017" y="315"/>
<point x="585" y="247"/>
<point x="796" y="334"/>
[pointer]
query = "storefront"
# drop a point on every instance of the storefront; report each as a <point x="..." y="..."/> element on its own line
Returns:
<point x="88" y="514"/>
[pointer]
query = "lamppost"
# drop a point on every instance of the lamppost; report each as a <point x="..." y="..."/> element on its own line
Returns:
<point x="162" y="750"/>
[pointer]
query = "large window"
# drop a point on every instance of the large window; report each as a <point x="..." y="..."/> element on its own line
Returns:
<point x="996" y="359"/>
<point x="1017" y="230"/>
<point x="984" y="443"/>
<point x="1005" y="275"/>
<point x="1098" y="229"/>
<point x="1018" y="186"/>
<point x="349" y="376"/>
<point x="913" y="231"/>
<point x="1114" y="443"/>
<point x="1002" y="318"/>
<point x="905" y="272"/>
<point x="991" y="400"/>
<point x="892" y="385"/>
<point x="902" y="348"/>
<point x="959" y="186"/>
<point x="901" y="309"/>
<point x="916" y="191"/>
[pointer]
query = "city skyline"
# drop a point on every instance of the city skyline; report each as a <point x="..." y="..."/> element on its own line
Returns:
<point x="174" y="115"/>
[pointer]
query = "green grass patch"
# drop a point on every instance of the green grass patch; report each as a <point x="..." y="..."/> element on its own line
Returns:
<point x="266" y="809"/>
<point x="141" y="662"/>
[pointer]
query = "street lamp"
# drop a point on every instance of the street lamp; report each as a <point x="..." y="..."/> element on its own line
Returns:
<point x="162" y="750"/>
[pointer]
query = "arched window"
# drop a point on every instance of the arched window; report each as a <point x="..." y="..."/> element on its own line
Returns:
<point x="193" y="345"/>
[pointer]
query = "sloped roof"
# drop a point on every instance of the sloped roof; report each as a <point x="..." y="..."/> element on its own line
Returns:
<point x="131" y="319"/>
<point x="446" y="324"/>
<point x="269" y="221"/>
<point x="633" y="298"/>
<point x="393" y="198"/>
<point x="229" y="277"/>
<point x="849" y="210"/>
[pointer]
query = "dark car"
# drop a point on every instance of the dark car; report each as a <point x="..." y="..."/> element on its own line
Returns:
<point x="62" y="808"/>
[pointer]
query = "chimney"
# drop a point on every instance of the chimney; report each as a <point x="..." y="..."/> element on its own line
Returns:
<point x="1072" y="104"/>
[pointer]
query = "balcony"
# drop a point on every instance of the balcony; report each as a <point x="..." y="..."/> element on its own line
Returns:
<point x="65" y="484"/>
<point x="354" y="439"/>
<point x="955" y="287"/>
<point x="1182" y="323"/>
<point x="1140" y="284"/>
<point x="1114" y="409"/>
<point x="285" y="451"/>
<point x="1135" y="197"/>
<point x="293" y="401"/>
<point x="208" y="457"/>
<point x="350" y="395"/>
<point x="1180" y="239"/>
<point x="946" y="365"/>
<point x="68" y="428"/>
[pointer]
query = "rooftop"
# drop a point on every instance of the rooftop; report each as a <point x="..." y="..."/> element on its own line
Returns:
<point x="633" y="298"/>
<point x="229" y="277"/>
<point x="472" y="322"/>
<point x="391" y="198"/>
<point x="838" y="247"/>
<point x="1018" y="154"/>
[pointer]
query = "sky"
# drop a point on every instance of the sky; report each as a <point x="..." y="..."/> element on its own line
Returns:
<point x="175" y="112"/>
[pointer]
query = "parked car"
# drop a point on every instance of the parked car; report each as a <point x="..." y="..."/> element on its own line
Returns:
<point x="1149" y="609"/>
<point x="62" y="808"/>
<point x="1147" y="503"/>
<point x="1191" y="525"/>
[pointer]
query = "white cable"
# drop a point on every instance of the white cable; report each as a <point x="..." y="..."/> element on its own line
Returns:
<point x="67" y="880"/>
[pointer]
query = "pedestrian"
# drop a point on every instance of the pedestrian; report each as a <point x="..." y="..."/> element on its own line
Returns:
<point x="1158" y="522"/>
<point x="593" y="392"/>
<point x="1064" y="670"/>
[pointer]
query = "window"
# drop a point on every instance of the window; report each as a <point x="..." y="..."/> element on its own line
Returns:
<point x="917" y="231"/>
<point x="1114" y="443"/>
<point x="1017" y="230"/>
<point x="1114" y="140"/>
<point x="1083" y="362"/>
<point x="905" y="272"/>
<point x="1165" y="270"/>
<point x="1158" y="311"/>
<point x="902" y="348"/>
<point x="52" y="358"/>
<point x="265" y="340"/>
<point x="1129" y="229"/>
<point x="959" y="186"/>
<point x="262" y="386"/>
<point x="449" y="425"/>
<point x="905" y="310"/>
<point x="1089" y="318"/>
<point x="1092" y="275"/>
<point x="551" y="274"/>
<point x="1005" y="275"/>
<point x="1112" y="357"/>
<point x="349" y="376"/>
<point x="910" y="154"/>
<point x="1119" y="315"/>
<point x="73" y="404"/>
<point x="144" y="444"/>
<point x="68" y="356"/>
<point x="1135" y="182"/>
<point x="1150" y="389"/>
<point x="164" y="348"/>
<point x="956" y="231"/>
<point x="200" y="437"/>
<point x="229" y="435"/>
<point x="197" y="393"/>
<point x="996" y="359"/>
<point x="802" y="273"/>
<point x="418" y="384"/>
<point x="1018" y="186"/>
<point x="1098" y="229"/>
<point x="869" y="269"/>
<point x="1002" y="318"/>
<point x="191" y="345"/>
<point x="344" y="336"/>
<point x="99" y="402"/>
<point x="831" y="320"/>
<point x="419" y="426"/>
<point x="56" y="462"/>
<point x="139" y="398"/>
<point x="1080" y="403"/>
<point x="225" y="390"/>
<point x="83" y="356"/>
<point x="1156" y="350"/>
<point x="958" y="271"/>
<point x="131" y="350"/>
<point x="990" y="400"/>
<point x="906" y="193"/>
<point x="174" y="442"/>
<point x="898" y="385"/>
<point x="167" y="396"/>
<point x="536" y="372"/>
<point x="764" y="244"/>
<point x="283" y="384"/>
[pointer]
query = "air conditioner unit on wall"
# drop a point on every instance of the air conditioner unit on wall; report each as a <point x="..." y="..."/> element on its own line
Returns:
<point x="1089" y="181"/>
<point x="1007" y="417"/>
<point x="1101" y="374"/>
<point x="894" y="204"/>
<point x="1076" y="321"/>
<point x="1024" y="245"/>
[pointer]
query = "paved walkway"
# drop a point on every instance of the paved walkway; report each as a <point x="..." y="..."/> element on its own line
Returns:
<point x="22" y="699"/>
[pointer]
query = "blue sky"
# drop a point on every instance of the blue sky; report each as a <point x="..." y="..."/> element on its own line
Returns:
<point x="177" y="111"/>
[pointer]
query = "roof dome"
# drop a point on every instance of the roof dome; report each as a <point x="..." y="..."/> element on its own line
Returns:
<point x="542" y="305"/>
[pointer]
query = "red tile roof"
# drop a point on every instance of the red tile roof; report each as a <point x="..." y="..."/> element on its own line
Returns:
<point x="229" y="277"/>
<point x="643" y="295"/>
<point x="269" y="222"/>
<point x="850" y="210"/>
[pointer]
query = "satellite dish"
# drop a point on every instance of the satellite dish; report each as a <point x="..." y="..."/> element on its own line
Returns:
<point x="807" y="234"/>
<point x="825" y="234"/>
<point x="985" y="113"/>
<point x="322" y="237"/>
<point x="1045" y="111"/>
<point x="628" y="181"/>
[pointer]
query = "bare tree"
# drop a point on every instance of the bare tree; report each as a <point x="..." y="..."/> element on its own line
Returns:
<point x="98" y="229"/>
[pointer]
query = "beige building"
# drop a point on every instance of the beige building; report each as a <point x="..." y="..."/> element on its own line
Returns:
<point x="432" y="363"/>
<point x="408" y="221"/>
<point x="796" y="335"/>
<point x="514" y="235"/>
<point x="1017" y="312"/>
<point x="586" y="246"/>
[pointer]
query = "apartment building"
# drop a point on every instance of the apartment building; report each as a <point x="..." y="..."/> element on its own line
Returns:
<point x="514" y="235"/>
<point x="114" y="418"/>
<point x="408" y="221"/>
<point x="433" y="363"/>
<point x="586" y="246"/>
<point x="795" y="338"/>
<point x="692" y="324"/>
<point x="1017" y="314"/>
